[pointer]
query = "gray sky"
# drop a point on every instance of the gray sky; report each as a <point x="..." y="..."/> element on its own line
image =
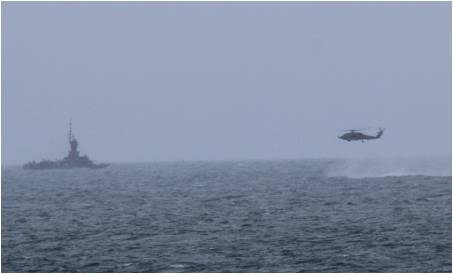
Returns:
<point x="216" y="81"/>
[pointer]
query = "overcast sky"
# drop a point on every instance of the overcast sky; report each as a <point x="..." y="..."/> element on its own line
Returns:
<point x="219" y="81"/>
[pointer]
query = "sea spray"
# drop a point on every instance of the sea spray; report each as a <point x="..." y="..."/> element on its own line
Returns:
<point x="382" y="167"/>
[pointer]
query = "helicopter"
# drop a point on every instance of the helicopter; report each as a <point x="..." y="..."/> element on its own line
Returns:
<point x="356" y="135"/>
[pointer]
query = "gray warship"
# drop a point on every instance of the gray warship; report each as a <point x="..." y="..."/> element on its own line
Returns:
<point x="73" y="160"/>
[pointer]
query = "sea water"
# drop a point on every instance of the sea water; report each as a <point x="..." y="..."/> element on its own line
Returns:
<point x="232" y="216"/>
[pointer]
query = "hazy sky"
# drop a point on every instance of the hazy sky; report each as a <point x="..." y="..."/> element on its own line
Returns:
<point x="218" y="81"/>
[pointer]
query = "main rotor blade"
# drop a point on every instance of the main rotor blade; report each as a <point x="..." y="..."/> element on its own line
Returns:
<point x="356" y="129"/>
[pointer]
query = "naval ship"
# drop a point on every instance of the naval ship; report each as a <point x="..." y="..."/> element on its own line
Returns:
<point x="73" y="160"/>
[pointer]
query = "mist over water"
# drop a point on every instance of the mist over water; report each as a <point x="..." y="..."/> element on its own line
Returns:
<point x="382" y="167"/>
<point x="218" y="81"/>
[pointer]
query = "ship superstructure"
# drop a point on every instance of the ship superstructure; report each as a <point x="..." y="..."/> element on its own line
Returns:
<point x="72" y="160"/>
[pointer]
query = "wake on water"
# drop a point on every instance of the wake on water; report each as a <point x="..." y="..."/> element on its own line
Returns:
<point x="362" y="168"/>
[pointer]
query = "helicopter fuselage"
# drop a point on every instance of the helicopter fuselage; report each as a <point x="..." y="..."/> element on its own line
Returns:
<point x="359" y="136"/>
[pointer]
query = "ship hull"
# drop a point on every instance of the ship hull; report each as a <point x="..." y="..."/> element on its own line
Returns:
<point x="60" y="165"/>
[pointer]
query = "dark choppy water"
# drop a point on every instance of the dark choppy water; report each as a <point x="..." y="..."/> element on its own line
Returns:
<point x="273" y="216"/>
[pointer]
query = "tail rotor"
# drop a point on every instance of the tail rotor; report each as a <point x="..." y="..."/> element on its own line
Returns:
<point x="380" y="133"/>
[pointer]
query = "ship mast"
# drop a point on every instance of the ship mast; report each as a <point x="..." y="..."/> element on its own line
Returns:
<point x="70" y="130"/>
